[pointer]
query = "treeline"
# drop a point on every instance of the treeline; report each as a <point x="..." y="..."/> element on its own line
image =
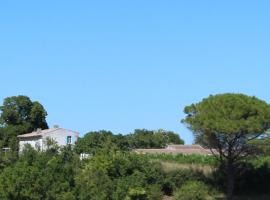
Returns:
<point x="59" y="174"/>
<point x="20" y="115"/>
<point x="235" y="125"/>
<point x="113" y="174"/>
<point x="113" y="171"/>
<point x="141" y="138"/>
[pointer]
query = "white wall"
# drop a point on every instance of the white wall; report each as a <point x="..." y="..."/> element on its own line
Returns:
<point x="35" y="142"/>
<point x="60" y="136"/>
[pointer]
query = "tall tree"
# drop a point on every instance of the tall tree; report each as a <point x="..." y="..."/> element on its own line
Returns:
<point x="20" y="110"/>
<point x="20" y="115"/>
<point x="228" y="122"/>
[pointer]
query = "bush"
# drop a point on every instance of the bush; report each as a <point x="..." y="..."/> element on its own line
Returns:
<point x="154" y="192"/>
<point x="93" y="184"/>
<point x="136" y="194"/>
<point x="119" y="175"/>
<point x="67" y="196"/>
<point x="177" y="179"/>
<point x="254" y="180"/>
<point x="194" y="190"/>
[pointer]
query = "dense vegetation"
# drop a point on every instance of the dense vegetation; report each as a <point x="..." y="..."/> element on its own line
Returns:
<point x="114" y="174"/>
<point x="141" y="138"/>
<point x="184" y="159"/>
<point x="19" y="115"/>
<point x="107" y="175"/>
<point x="228" y="123"/>
<point x="114" y="171"/>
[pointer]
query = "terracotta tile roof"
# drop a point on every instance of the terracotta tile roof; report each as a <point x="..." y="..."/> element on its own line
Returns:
<point x="177" y="149"/>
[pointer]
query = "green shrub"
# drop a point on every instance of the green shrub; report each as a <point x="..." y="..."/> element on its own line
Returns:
<point x="93" y="184"/>
<point x="136" y="194"/>
<point x="260" y="161"/>
<point x="67" y="196"/>
<point x="177" y="179"/>
<point x="194" y="190"/>
<point x="154" y="192"/>
<point x="119" y="175"/>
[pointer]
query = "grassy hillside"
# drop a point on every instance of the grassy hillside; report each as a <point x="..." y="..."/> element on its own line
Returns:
<point x="252" y="185"/>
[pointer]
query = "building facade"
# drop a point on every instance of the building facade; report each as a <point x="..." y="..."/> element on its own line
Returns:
<point x="38" y="139"/>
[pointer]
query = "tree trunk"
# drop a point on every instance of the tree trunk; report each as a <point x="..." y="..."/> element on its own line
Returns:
<point x="230" y="180"/>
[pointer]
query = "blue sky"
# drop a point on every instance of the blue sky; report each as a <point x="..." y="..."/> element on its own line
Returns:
<point x="121" y="65"/>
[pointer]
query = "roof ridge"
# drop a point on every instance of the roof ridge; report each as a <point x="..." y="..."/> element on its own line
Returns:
<point x="53" y="129"/>
<point x="45" y="132"/>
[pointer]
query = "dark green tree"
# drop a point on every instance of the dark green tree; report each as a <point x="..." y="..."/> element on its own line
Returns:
<point x="20" y="115"/>
<point x="20" y="182"/>
<point x="40" y="175"/>
<point x="228" y="122"/>
<point x="119" y="175"/>
<point x="20" y="110"/>
<point x="93" y="142"/>
<point x="143" y="138"/>
<point x="172" y="137"/>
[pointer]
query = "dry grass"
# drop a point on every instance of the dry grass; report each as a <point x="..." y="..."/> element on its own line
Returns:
<point x="167" y="198"/>
<point x="169" y="166"/>
<point x="173" y="166"/>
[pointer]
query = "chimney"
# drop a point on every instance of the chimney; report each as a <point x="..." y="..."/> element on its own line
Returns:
<point x="39" y="130"/>
<point x="55" y="126"/>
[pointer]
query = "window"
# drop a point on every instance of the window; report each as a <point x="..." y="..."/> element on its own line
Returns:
<point x="69" y="139"/>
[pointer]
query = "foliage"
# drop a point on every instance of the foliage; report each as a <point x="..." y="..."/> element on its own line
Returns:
<point x="194" y="190"/>
<point x="259" y="161"/>
<point x="40" y="175"/>
<point x="262" y="145"/>
<point x="7" y="159"/>
<point x="185" y="159"/>
<point x="228" y="122"/>
<point x="119" y="175"/>
<point x="202" y="159"/>
<point x="155" y="192"/>
<point x="93" y="142"/>
<point x="20" y="182"/>
<point x="109" y="174"/>
<point x="115" y="173"/>
<point x="20" y="110"/>
<point x="20" y="115"/>
<point x="175" y="179"/>
<point x="93" y="184"/>
<point x="142" y="138"/>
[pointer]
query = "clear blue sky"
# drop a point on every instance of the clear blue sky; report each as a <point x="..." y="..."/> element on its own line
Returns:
<point x="121" y="65"/>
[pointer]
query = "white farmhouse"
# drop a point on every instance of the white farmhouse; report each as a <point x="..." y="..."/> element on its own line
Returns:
<point x="38" y="138"/>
